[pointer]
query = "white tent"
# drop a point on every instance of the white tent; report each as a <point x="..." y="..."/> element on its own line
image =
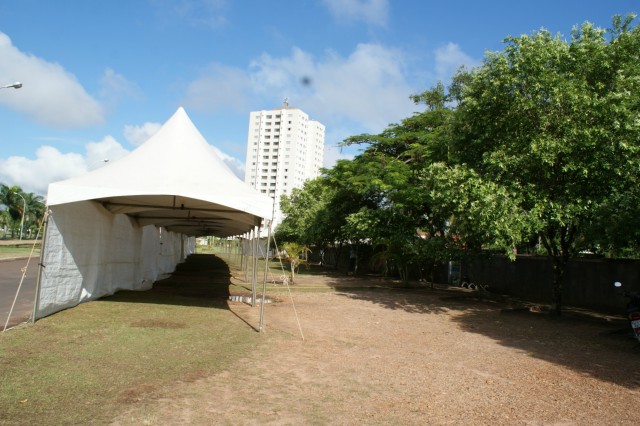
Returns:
<point x="127" y="223"/>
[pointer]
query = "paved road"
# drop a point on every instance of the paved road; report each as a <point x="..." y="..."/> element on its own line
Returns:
<point x="10" y="276"/>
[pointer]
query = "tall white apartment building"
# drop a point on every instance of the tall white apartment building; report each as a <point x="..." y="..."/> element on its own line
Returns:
<point x="284" y="149"/>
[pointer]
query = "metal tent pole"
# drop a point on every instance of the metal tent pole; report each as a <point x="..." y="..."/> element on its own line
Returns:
<point x="264" y="280"/>
<point x="245" y="248"/>
<point x="254" y="280"/>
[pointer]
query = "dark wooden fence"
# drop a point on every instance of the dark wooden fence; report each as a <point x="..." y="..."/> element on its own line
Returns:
<point x="588" y="281"/>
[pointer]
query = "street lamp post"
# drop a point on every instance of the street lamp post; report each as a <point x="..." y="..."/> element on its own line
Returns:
<point x="24" y="210"/>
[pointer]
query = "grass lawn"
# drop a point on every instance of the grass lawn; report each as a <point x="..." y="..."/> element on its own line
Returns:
<point x="89" y="363"/>
<point x="7" y="252"/>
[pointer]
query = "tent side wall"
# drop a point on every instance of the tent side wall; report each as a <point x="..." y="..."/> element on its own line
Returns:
<point x="90" y="253"/>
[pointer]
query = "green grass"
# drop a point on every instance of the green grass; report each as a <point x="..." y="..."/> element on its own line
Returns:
<point x="87" y="364"/>
<point x="7" y="252"/>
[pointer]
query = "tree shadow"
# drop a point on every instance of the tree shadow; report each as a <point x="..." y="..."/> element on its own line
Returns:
<point x="588" y="342"/>
<point x="420" y="301"/>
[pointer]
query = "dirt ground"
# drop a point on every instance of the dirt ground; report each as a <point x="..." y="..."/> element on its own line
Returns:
<point x="382" y="356"/>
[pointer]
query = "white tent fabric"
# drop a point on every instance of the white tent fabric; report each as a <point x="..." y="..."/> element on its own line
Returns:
<point x="124" y="225"/>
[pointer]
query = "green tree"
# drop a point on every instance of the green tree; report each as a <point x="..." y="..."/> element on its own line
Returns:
<point x="15" y="200"/>
<point x="35" y="212"/>
<point x="555" y="122"/>
<point x="407" y="223"/>
<point x="307" y="220"/>
<point x="10" y="198"/>
<point x="296" y="255"/>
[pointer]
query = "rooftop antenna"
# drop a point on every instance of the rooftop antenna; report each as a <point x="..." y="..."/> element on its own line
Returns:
<point x="285" y="103"/>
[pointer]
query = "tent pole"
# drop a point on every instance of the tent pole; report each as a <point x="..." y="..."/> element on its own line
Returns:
<point x="254" y="281"/>
<point x="241" y="248"/>
<point x="36" y="302"/>
<point x="238" y="252"/>
<point x="245" y="252"/>
<point x="264" y="279"/>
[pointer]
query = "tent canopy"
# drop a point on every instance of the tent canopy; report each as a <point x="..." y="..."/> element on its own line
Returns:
<point x="174" y="180"/>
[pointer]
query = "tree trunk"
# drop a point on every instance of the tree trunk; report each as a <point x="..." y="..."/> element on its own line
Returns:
<point x="337" y="257"/>
<point x="557" y="242"/>
<point x="558" y="277"/>
<point x="293" y="272"/>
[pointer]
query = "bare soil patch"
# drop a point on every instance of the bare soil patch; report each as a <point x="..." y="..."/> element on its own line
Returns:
<point x="378" y="355"/>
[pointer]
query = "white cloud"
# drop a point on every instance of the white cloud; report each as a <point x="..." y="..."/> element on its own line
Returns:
<point x="51" y="165"/>
<point x="206" y="13"/>
<point x="449" y="58"/>
<point x="115" y="86"/>
<point x="219" y="88"/>
<point x="107" y="149"/>
<point x="368" y="88"/>
<point x="375" y="12"/>
<point x="50" y="94"/>
<point x="236" y="166"/>
<point x="34" y="175"/>
<point x="137" y="135"/>
<point x="332" y="154"/>
<point x="363" y="92"/>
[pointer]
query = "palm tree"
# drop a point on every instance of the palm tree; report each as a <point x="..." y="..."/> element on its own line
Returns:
<point x="296" y="255"/>
<point x="5" y="221"/>
<point x="35" y="210"/>
<point x="14" y="205"/>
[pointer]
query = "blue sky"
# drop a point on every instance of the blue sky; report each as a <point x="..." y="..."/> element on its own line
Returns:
<point x="99" y="77"/>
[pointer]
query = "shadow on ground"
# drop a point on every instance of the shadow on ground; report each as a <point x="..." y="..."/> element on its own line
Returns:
<point x="588" y="342"/>
<point x="202" y="280"/>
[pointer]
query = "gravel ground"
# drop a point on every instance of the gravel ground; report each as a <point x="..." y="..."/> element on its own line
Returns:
<point x="407" y="357"/>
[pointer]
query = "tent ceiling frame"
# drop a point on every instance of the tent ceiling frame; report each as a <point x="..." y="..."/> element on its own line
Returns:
<point x="182" y="218"/>
<point x="106" y="205"/>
